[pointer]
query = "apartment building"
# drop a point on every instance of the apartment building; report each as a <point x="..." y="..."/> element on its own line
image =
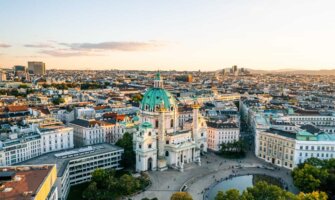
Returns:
<point x="76" y="166"/>
<point x="89" y="132"/>
<point x="18" y="147"/>
<point x="276" y="147"/>
<point x="221" y="132"/>
<point x="55" y="136"/>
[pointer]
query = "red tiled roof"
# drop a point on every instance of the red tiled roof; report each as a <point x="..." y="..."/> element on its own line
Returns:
<point x="100" y="107"/>
<point x="17" y="108"/>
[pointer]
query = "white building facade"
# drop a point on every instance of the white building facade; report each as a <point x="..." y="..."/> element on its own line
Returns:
<point x="221" y="132"/>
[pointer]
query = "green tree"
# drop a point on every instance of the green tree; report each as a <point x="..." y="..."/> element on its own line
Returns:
<point x="220" y="196"/>
<point x="90" y="192"/>
<point x="309" y="178"/>
<point x="128" y="157"/>
<point x="58" y="101"/>
<point x="316" y="195"/>
<point x="24" y="86"/>
<point x="100" y="176"/>
<point x="263" y="190"/>
<point x="128" y="184"/>
<point x="181" y="196"/>
<point x="231" y="194"/>
<point x="137" y="98"/>
<point x="314" y="162"/>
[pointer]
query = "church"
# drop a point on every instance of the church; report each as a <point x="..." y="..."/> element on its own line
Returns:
<point x="161" y="141"/>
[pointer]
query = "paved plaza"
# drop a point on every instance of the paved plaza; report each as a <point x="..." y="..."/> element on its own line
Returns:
<point x="197" y="178"/>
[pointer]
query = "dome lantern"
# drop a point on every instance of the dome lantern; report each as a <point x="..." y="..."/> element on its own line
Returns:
<point x="158" y="81"/>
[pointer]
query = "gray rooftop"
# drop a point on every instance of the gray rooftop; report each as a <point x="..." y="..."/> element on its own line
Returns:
<point x="282" y="133"/>
<point x="62" y="158"/>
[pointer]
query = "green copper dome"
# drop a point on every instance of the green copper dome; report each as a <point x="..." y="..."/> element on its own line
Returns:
<point x="155" y="97"/>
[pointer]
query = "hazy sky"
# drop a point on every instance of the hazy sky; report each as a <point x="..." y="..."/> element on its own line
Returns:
<point x="168" y="34"/>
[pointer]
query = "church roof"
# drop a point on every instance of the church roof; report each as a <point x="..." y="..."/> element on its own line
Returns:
<point x="155" y="97"/>
<point x="146" y="125"/>
<point x="158" y="76"/>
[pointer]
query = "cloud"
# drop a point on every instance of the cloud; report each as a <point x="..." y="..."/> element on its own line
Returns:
<point x="120" y="46"/>
<point x="38" y="45"/>
<point x="61" y="49"/>
<point x="3" y="45"/>
<point x="66" y="53"/>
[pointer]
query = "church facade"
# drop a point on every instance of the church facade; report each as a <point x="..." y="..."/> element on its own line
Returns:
<point x="161" y="141"/>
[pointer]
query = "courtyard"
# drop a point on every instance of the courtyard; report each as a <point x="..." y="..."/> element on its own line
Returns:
<point x="197" y="179"/>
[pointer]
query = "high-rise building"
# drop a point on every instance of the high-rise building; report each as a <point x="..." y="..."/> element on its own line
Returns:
<point x="19" y="68"/>
<point x="3" y="76"/>
<point x="20" y="71"/>
<point x="234" y="68"/>
<point x="185" y="78"/>
<point x="37" y="68"/>
<point x="224" y="72"/>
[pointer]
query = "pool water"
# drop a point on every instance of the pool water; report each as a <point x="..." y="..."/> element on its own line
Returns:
<point x="240" y="183"/>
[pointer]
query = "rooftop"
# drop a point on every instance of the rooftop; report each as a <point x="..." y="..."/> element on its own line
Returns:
<point x="222" y="124"/>
<point x="24" y="181"/>
<point x="282" y="133"/>
<point x="326" y="137"/>
<point x="88" y="123"/>
<point x="62" y="158"/>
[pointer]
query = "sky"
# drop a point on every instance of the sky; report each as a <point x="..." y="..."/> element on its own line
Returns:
<point x="165" y="35"/>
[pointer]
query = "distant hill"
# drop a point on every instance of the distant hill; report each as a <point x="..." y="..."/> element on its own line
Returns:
<point x="293" y="71"/>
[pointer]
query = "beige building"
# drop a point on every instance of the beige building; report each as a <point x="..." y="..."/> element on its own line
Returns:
<point x="276" y="147"/>
<point x="37" y="68"/>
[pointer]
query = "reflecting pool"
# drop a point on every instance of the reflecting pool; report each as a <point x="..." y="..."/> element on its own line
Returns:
<point x="240" y="183"/>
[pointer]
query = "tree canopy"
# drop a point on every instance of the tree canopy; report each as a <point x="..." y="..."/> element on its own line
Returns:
<point x="264" y="191"/>
<point x="128" y="157"/>
<point x="181" y="196"/>
<point x="316" y="175"/>
<point x="107" y="184"/>
<point x="233" y="149"/>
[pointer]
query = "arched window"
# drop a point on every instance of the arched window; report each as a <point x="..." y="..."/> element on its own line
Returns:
<point x="171" y="108"/>
<point x="166" y="153"/>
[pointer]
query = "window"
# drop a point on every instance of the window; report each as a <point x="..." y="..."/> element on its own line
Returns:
<point x="156" y="123"/>
<point x="149" y="133"/>
<point x="149" y="146"/>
